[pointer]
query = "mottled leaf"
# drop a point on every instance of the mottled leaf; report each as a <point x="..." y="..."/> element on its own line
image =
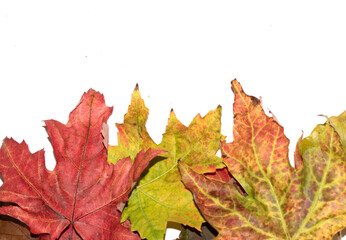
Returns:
<point x="160" y="196"/>
<point x="282" y="202"/>
<point x="78" y="199"/>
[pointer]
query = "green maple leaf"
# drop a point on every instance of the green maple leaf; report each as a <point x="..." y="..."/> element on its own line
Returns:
<point x="304" y="202"/>
<point x="160" y="196"/>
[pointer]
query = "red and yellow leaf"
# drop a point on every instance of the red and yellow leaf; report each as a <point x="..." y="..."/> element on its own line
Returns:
<point x="160" y="196"/>
<point x="78" y="199"/>
<point x="282" y="202"/>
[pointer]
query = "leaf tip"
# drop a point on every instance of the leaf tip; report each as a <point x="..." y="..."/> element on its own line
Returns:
<point x="137" y="87"/>
<point x="236" y="86"/>
<point x="172" y="114"/>
<point x="182" y="166"/>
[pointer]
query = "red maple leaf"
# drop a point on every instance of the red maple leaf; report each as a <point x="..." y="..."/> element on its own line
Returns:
<point x="78" y="199"/>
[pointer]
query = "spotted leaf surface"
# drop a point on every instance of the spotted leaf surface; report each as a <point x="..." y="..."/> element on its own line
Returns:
<point x="282" y="202"/>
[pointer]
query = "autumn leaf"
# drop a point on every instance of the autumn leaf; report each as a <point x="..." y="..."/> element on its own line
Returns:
<point x="160" y="196"/>
<point x="224" y="176"/>
<point x="133" y="135"/>
<point x="282" y="202"/>
<point x="12" y="229"/>
<point x="338" y="123"/>
<point x="207" y="233"/>
<point x="79" y="198"/>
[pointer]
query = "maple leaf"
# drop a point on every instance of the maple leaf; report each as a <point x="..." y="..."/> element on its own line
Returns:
<point x="282" y="202"/>
<point x="78" y="199"/>
<point x="133" y="135"/>
<point x="160" y="196"/>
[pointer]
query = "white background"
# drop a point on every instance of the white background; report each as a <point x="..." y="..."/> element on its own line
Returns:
<point x="183" y="54"/>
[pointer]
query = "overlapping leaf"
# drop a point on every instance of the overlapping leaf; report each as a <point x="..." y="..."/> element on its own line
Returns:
<point x="79" y="198"/>
<point x="160" y="196"/>
<point x="207" y="233"/>
<point x="338" y="123"/>
<point x="14" y="230"/>
<point x="305" y="202"/>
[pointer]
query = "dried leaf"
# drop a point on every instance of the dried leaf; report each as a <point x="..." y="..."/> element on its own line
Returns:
<point x="160" y="196"/>
<point x="339" y="125"/>
<point x="207" y="233"/>
<point x="305" y="202"/>
<point x="340" y="235"/>
<point x="12" y="229"/>
<point x="78" y="199"/>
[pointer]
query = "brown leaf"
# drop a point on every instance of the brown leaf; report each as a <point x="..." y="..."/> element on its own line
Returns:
<point x="12" y="229"/>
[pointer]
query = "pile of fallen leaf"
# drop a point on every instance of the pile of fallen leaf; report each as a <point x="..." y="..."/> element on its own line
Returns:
<point x="132" y="190"/>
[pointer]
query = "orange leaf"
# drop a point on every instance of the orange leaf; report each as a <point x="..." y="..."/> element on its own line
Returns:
<point x="282" y="202"/>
